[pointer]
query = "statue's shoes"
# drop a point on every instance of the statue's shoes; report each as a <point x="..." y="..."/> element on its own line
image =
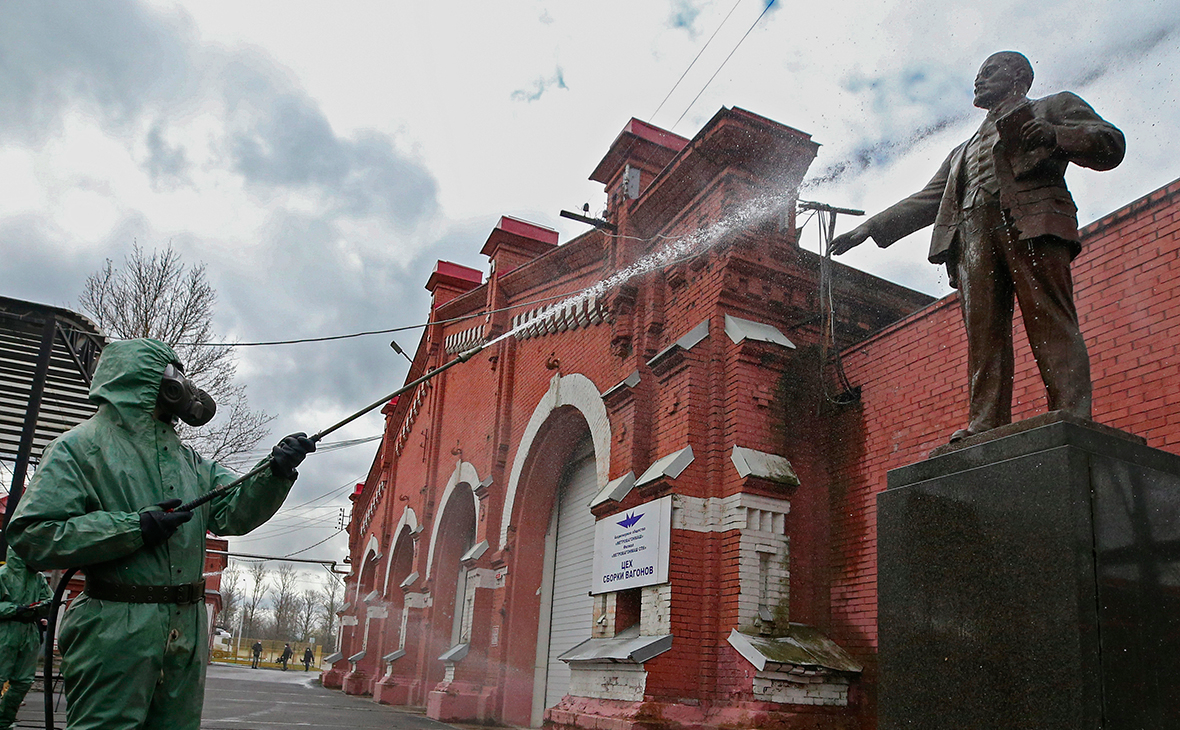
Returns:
<point x="961" y="434"/>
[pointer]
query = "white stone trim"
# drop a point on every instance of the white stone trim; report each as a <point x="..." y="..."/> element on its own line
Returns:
<point x="467" y="339"/>
<point x="739" y="511"/>
<point x="671" y="466"/>
<point x="750" y="462"/>
<point x="655" y="610"/>
<point x="419" y="600"/>
<point x="575" y="390"/>
<point x="608" y="682"/>
<point x="763" y="547"/>
<point x="464" y="474"/>
<point x="739" y="329"/>
<point x="372" y="548"/>
<point x="790" y="688"/>
<point x="552" y="318"/>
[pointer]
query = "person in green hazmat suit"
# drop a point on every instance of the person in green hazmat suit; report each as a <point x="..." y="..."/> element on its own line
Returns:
<point x="24" y="601"/>
<point x="134" y="645"/>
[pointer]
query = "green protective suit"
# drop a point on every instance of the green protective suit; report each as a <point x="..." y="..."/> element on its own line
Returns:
<point x="131" y="665"/>
<point x="19" y="640"/>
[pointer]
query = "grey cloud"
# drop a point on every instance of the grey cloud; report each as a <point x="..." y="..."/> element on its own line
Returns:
<point x="167" y="165"/>
<point x="30" y="272"/>
<point x="540" y="86"/>
<point x="119" y="57"/>
<point x="131" y="64"/>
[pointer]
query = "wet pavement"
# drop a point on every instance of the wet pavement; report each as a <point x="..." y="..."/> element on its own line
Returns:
<point x="238" y="698"/>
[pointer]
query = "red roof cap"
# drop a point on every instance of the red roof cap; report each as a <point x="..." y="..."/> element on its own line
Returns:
<point x="638" y="140"/>
<point x="533" y="238"/>
<point x="454" y="275"/>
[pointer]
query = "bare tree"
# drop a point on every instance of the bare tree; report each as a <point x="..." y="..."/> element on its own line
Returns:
<point x="309" y="609"/>
<point x="330" y="603"/>
<point x="285" y="601"/>
<point x="231" y="595"/>
<point x="253" y="602"/>
<point x="159" y="296"/>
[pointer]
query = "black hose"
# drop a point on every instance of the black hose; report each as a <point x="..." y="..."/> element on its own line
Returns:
<point x="50" y="631"/>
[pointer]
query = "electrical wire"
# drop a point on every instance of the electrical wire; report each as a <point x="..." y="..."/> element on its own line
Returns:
<point x="325" y="495"/>
<point x="694" y="60"/>
<point x="391" y="330"/>
<point x="309" y="547"/>
<point x="765" y="10"/>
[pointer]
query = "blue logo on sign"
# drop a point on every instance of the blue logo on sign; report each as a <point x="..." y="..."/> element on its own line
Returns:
<point x="631" y="519"/>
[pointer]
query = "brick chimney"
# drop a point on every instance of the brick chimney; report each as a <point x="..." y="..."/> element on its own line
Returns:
<point x="449" y="280"/>
<point x="514" y="242"/>
<point x="638" y="154"/>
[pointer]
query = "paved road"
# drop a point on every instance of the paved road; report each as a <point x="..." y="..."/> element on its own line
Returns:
<point x="237" y="698"/>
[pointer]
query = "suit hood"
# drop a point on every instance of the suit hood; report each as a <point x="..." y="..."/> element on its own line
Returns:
<point x="127" y="379"/>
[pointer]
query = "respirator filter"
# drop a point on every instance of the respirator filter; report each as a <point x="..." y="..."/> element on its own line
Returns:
<point x="179" y="397"/>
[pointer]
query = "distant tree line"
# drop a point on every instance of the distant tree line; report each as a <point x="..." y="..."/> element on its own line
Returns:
<point x="272" y="605"/>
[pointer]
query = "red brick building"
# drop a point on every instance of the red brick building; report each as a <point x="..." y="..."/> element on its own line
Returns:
<point x="657" y="506"/>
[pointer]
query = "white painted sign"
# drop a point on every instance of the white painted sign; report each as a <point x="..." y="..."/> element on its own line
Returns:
<point x="631" y="548"/>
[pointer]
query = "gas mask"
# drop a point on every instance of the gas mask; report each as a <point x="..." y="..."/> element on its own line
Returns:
<point x="180" y="398"/>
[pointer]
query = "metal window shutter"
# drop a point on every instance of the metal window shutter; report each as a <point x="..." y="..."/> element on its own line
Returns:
<point x="573" y="609"/>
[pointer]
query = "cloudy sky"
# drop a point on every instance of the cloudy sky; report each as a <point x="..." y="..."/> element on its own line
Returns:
<point x="319" y="157"/>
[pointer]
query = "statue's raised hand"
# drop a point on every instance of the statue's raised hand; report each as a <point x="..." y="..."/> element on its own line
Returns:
<point x="847" y="241"/>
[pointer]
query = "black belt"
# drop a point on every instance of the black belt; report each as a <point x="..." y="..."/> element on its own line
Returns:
<point x="181" y="595"/>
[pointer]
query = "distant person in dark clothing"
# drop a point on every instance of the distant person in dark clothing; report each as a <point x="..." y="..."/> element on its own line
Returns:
<point x="308" y="658"/>
<point x="257" y="649"/>
<point x="286" y="656"/>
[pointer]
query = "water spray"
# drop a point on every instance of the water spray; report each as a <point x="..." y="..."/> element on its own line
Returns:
<point x="678" y="248"/>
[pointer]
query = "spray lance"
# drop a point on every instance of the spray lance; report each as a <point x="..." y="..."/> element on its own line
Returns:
<point x="263" y="465"/>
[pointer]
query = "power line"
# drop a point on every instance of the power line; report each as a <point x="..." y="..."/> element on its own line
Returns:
<point x="661" y="106"/>
<point x="321" y="542"/>
<point x="366" y="333"/>
<point x="341" y="488"/>
<point x="769" y="5"/>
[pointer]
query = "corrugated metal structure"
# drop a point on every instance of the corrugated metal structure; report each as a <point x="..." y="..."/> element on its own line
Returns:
<point x="47" y="357"/>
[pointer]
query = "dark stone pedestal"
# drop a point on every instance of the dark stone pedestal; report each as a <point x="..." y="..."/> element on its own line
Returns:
<point x="1032" y="581"/>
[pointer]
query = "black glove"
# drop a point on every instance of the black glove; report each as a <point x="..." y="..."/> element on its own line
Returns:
<point x="24" y="614"/>
<point x="289" y="453"/>
<point x="159" y="525"/>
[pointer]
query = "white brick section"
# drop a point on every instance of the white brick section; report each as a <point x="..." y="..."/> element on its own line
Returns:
<point x="572" y="390"/>
<point x="604" y="615"/>
<point x="471" y="583"/>
<point x="736" y="512"/>
<point x="463" y="341"/>
<point x="608" y="682"/>
<point x="655" y="610"/>
<point x="418" y="600"/>
<point x="794" y="689"/>
<point x="482" y="578"/>
<point x="552" y="318"/>
<point x="763" y="553"/>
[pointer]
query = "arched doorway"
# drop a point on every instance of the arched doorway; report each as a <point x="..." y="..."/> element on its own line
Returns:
<point x="393" y="687"/>
<point x="566" y="609"/>
<point x="448" y="580"/>
<point x="360" y="677"/>
<point x="549" y="608"/>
